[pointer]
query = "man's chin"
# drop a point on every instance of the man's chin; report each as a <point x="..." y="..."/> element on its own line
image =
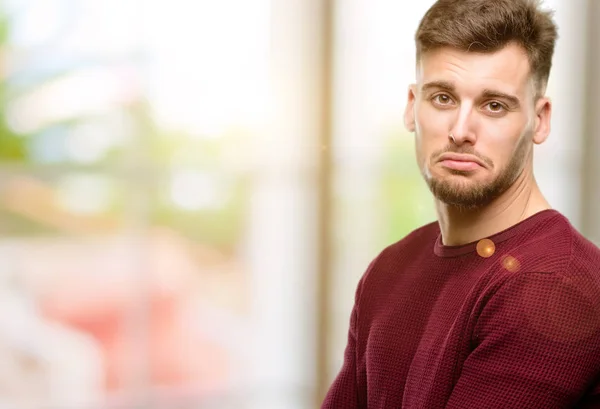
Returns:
<point x="461" y="184"/>
<point x="465" y="194"/>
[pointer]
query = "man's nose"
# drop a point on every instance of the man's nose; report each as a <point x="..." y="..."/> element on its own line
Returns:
<point x="461" y="131"/>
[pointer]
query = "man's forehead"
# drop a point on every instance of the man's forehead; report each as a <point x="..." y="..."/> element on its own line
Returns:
<point x="507" y="69"/>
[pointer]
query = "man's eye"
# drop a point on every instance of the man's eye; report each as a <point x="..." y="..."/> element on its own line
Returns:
<point x="495" y="106"/>
<point x="442" y="99"/>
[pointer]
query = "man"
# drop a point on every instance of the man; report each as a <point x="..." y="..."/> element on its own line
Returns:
<point x="497" y="304"/>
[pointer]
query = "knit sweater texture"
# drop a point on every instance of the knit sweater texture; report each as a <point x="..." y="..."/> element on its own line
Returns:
<point x="512" y="321"/>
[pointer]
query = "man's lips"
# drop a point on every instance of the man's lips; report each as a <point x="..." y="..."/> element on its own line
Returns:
<point x="461" y="162"/>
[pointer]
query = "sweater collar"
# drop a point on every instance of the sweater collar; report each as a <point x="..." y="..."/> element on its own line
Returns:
<point x="524" y="225"/>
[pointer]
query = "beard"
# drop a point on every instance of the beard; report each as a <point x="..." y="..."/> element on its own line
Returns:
<point x="457" y="190"/>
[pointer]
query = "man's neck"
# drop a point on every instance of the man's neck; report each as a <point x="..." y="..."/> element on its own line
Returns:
<point x="461" y="226"/>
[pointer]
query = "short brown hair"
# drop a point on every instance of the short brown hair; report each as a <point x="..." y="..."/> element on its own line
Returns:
<point x="488" y="26"/>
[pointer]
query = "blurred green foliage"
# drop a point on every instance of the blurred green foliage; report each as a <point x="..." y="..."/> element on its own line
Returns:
<point x="404" y="197"/>
<point x="171" y="151"/>
<point x="12" y="146"/>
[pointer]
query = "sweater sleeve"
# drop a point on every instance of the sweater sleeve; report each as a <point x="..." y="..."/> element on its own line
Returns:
<point x="343" y="393"/>
<point x="536" y="344"/>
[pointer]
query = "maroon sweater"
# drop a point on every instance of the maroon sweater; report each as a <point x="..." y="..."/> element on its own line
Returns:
<point x="518" y="326"/>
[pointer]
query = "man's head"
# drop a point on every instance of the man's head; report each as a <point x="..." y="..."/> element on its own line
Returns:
<point x="478" y="105"/>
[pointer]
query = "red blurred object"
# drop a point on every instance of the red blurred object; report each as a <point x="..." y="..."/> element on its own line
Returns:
<point x="175" y="356"/>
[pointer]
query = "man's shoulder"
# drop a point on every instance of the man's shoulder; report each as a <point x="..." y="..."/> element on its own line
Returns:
<point x="560" y="255"/>
<point x="410" y="249"/>
<point x="557" y="246"/>
<point x="418" y="240"/>
<point x="585" y="255"/>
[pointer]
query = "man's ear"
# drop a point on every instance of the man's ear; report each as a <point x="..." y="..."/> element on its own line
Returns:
<point x="543" y="114"/>
<point x="409" y="111"/>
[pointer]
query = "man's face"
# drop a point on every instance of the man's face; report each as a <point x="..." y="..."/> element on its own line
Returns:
<point x="475" y="118"/>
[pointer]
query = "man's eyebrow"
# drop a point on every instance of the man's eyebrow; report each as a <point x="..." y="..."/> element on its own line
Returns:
<point x="442" y="85"/>
<point x="512" y="100"/>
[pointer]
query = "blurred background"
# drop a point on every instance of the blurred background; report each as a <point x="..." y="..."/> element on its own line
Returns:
<point x="190" y="191"/>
